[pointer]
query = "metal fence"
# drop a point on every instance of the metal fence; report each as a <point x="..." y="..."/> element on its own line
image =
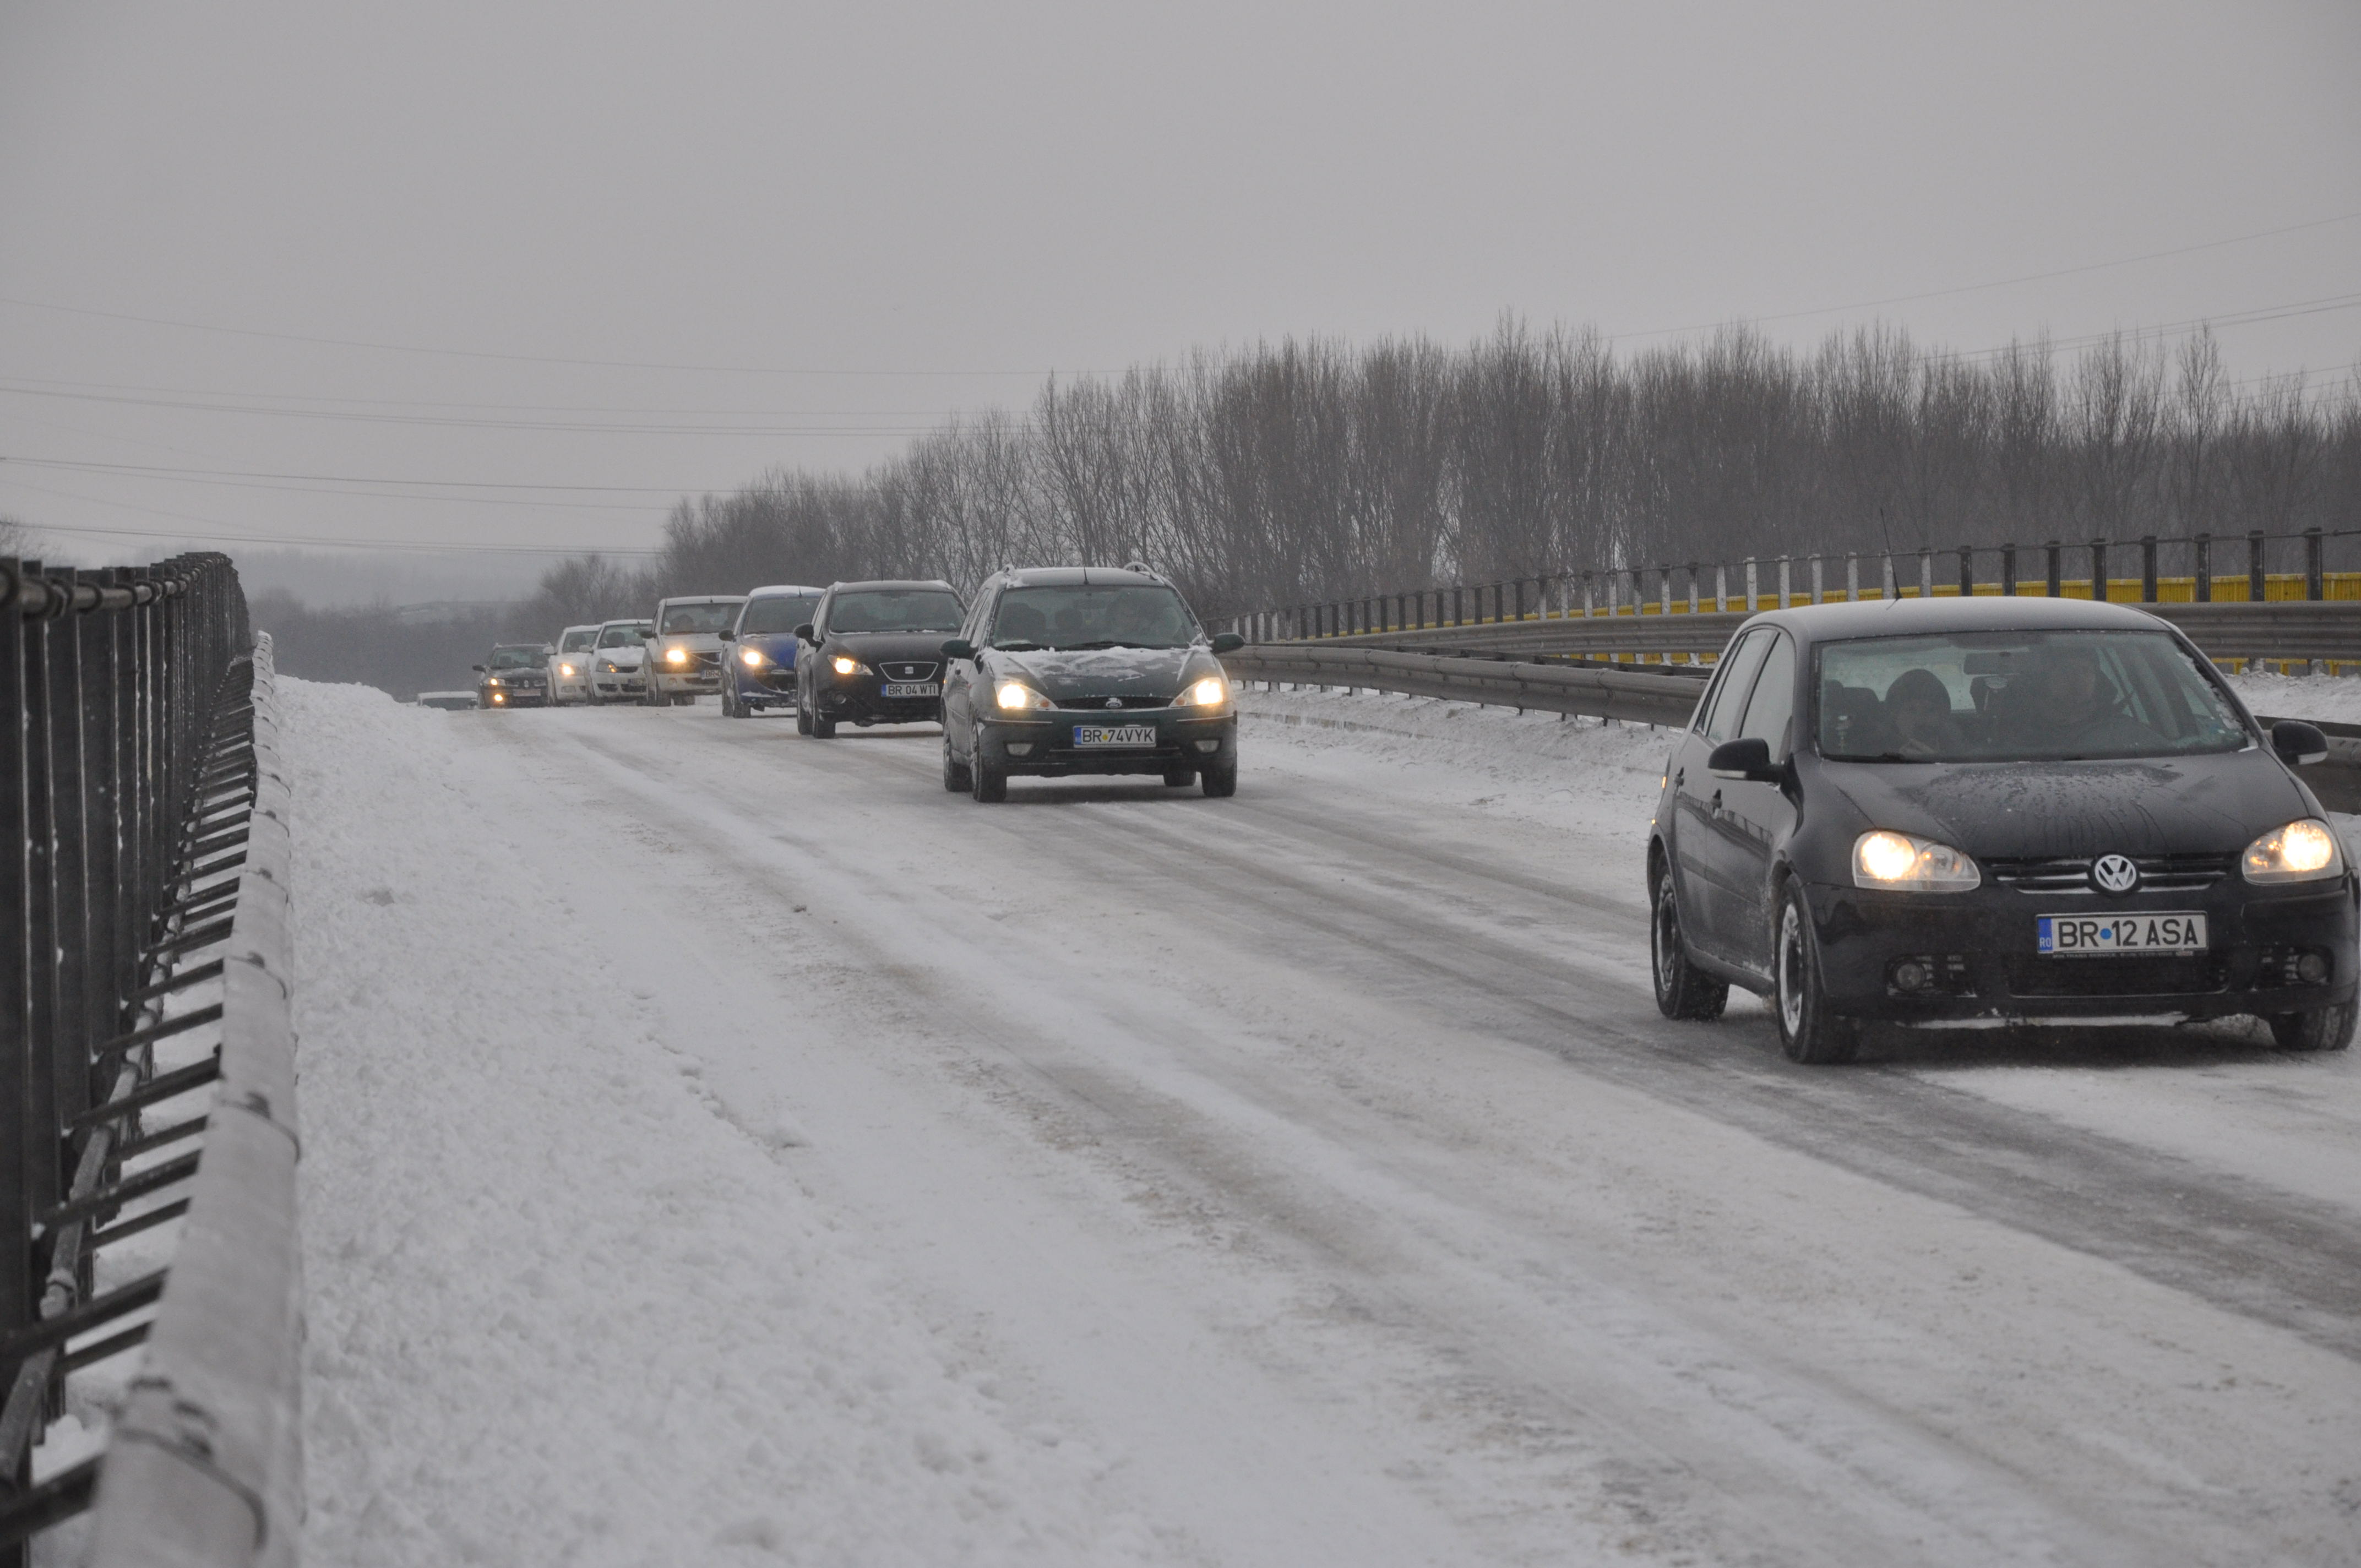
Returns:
<point x="2201" y="569"/>
<point x="143" y="919"/>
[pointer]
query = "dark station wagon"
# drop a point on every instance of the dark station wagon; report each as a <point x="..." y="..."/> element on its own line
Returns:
<point x="1992" y="813"/>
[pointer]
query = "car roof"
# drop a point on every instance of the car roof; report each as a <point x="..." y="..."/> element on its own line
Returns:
<point x="1079" y="576"/>
<point x="776" y="590"/>
<point x="701" y="598"/>
<point x="890" y="583"/>
<point x="624" y="620"/>
<point x="1982" y="613"/>
<point x="584" y="626"/>
<point x="499" y="647"/>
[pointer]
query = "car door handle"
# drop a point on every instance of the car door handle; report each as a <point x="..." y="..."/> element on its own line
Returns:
<point x="1680" y="777"/>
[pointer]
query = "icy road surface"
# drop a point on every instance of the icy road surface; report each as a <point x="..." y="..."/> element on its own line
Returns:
<point x="724" y="1147"/>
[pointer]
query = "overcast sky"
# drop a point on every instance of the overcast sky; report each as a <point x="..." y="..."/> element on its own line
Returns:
<point x="794" y="234"/>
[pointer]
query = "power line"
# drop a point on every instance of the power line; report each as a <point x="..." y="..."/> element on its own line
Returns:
<point x="152" y="469"/>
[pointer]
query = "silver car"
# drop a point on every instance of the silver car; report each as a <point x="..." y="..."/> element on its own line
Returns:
<point x="616" y="659"/>
<point x="569" y="665"/>
<point x="685" y="655"/>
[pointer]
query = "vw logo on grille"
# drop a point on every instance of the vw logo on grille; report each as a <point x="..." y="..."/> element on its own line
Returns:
<point x="2114" y="873"/>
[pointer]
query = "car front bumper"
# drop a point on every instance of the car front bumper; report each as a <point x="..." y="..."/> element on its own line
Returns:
<point x="1042" y="744"/>
<point x="770" y="686"/>
<point x="1979" y="950"/>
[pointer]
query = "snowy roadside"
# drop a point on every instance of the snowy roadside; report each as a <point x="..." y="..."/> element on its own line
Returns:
<point x="555" y="1318"/>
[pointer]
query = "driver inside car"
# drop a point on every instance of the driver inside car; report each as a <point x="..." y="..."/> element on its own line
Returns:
<point x="2071" y="702"/>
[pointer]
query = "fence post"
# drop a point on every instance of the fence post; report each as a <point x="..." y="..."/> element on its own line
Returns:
<point x="1927" y="573"/>
<point x="2008" y="571"/>
<point x="1784" y="596"/>
<point x="2258" y="589"/>
<point x="2057" y="582"/>
<point x="2147" y="568"/>
<point x="2315" y="576"/>
<point x="2203" y="550"/>
<point x="1853" y="577"/>
<point x="1750" y="587"/>
<point x="1967" y="571"/>
<point x="1693" y="587"/>
<point x="1818" y="592"/>
<point x="1720" y="588"/>
<point x="2098" y="571"/>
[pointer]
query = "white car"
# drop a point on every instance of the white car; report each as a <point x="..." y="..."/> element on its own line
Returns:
<point x="616" y="657"/>
<point x="569" y="667"/>
<point x="685" y="655"/>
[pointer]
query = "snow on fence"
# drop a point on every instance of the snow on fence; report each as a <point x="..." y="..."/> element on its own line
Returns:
<point x="2312" y="613"/>
<point x="148" y="1267"/>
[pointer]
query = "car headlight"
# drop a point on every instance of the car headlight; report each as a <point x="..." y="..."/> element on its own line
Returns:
<point x="1212" y="691"/>
<point x="1016" y="696"/>
<point x="565" y="672"/>
<point x="751" y="658"/>
<point x="844" y="666"/>
<point x="1909" y="864"/>
<point x="493" y="681"/>
<point x="2303" y="850"/>
<point x="675" y="655"/>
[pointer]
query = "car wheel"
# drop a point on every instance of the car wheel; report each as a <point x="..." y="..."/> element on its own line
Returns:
<point x="956" y="779"/>
<point x="1683" y="990"/>
<point x="1809" y="1032"/>
<point x="1220" y="779"/>
<point x="822" y="729"/>
<point x="803" y="720"/>
<point x="2322" y="1029"/>
<point x="729" y="708"/>
<point x="985" y="782"/>
<point x="1179" y="778"/>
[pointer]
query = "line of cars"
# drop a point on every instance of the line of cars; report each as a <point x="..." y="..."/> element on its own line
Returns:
<point x="1047" y="672"/>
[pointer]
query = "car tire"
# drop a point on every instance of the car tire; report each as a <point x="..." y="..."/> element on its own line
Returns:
<point x="986" y="783"/>
<point x="803" y="720"/>
<point x="684" y="699"/>
<point x="1809" y="1032"/>
<point x="1683" y="990"/>
<point x="729" y="708"/>
<point x="1219" y="780"/>
<point x="956" y="779"/>
<point x="2322" y="1029"/>
<point x="1179" y="778"/>
<point x="822" y="728"/>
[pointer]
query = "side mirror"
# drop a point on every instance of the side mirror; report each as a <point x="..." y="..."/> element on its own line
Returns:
<point x="804" y="632"/>
<point x="2299" y="744"/>
<point x="1227" y="642"/>
<point x="477" y="668"/>
<point x="1747" y="759"/>
<point x="727" y="635"/>
<point x="958" y="648"/>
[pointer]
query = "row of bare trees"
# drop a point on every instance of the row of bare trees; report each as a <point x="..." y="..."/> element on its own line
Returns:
<point x="1304" y="471"/>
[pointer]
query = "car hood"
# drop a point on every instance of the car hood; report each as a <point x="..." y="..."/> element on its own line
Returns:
<point x="2215" y="804"/>
<point x="779" y="647"/>
<point x="1108" y="672"/>
<point x="624" y="658"/>
<point x="871" y="646"/>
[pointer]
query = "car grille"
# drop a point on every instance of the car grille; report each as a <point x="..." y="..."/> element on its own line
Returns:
<point x="1099" y="704"/>
<point x="905" y="670"/>
<point x="2178" y="975"/>
<point x="709" y="659"/>
<point x="2158" y="874"/>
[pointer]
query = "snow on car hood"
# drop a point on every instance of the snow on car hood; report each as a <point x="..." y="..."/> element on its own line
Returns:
<point x="1113" y="672"/>
<point x="622" y="658"/>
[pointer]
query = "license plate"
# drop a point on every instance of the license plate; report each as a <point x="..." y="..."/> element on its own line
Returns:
<point x="913" y="688"/>
<point x="1115" y="735"/>
<point x="2095" y="936"/>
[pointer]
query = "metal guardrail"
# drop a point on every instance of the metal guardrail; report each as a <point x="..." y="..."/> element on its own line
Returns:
<point x="152" y="867"/>
<point x="1629" y="695"/>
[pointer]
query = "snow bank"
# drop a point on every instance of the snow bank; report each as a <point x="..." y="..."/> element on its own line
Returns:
<point x="556" y="1319"/>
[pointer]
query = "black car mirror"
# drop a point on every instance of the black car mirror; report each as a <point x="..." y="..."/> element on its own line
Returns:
<point x="727" y="635"/>
<point x="477" y="668"/>
<point x="958" y="648"/>
<point x="1228" y="642"/>
<point x="1748" y="757"/>
<point x="805" y="632"/>
<point x="2299" y="744"/>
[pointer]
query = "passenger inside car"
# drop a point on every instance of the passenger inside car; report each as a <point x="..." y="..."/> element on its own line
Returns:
<point x="1918" y="711"/>
<point x="1020" y="622"/>
<point x="2066" y="698"/>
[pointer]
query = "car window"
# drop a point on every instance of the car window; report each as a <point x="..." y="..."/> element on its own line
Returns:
<point x="1717" y="718"/>
<point x="517" y="658"/>
<point x="579" y="640"/>
<point x="895" y="609"/>
<point x="622" y="637"/>
<point x="1085" y="615"/>
<point x="1771" y="711"/>
<point x="776" y="614"/>
<point x="2020" y="695"/>
<point x="683" y="618"/>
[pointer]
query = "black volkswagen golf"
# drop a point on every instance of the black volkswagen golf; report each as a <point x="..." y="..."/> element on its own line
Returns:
<point x="1988" y="813"/>
<point x="872" y="653"/>
<point x="1086" y="669"/>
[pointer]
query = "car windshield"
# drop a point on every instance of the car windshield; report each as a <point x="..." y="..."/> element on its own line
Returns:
<point x="1131" y="616"/>
<point x="777" y="613"/>
<point x="581" y="637"/>
<point x="518" y="658"/>
<point x="895" y="609"/>
<point x="1996" y="697"/>
<point x="622" y="636"/>
<point x="716" y="616"/>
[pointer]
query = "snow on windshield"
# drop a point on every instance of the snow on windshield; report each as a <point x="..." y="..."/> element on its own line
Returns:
<point x="1079" y="616"/>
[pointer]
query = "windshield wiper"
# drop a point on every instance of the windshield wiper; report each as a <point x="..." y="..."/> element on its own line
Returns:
<point x="1020" y="645"/>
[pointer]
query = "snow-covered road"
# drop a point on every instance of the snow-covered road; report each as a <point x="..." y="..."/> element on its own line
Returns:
<point x="727" y="1146"/>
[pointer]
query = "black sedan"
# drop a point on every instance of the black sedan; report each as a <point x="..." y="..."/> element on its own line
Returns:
<point x="872" y="653"/>
<point x="1066" y="670"/>
<point x="516" y="675"/>
<point x="1991" y="813"/>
